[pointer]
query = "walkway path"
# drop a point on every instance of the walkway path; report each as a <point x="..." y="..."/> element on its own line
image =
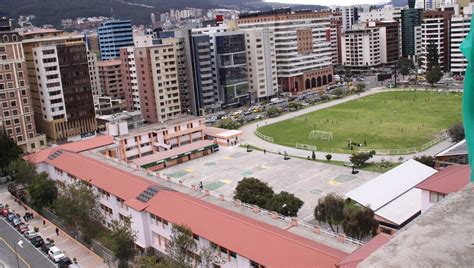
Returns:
<point x="249" y="136"/>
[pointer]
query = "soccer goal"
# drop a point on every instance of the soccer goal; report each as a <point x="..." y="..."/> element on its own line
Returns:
<point x="320" y="135"/>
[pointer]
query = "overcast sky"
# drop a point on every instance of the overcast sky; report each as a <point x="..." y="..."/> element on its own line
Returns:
<point x="331" y="2"/>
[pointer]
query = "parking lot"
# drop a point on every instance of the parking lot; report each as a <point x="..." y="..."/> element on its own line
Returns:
<point x="34" y="257"/>
<point x="308" y="180"/>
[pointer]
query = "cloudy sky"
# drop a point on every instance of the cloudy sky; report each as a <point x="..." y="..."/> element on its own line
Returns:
<point x="330" y="2"/>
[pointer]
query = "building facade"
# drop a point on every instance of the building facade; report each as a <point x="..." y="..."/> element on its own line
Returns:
<point x="435" y="28"/>
<point x="389" y="41"/>
<point x="16" y="111"/>
<point x="411" y="18"/>
<point x="460" y="26"/>
<point x="361" y="47"/>
<point x="336" y="38"/>
<point x="110" y="78"/>
<point x="114" y="35"/>
<point x="58" y="73"/>
<point x="261" y="64"/>
<point x="94" y="73"/>
<point x="302" y="44"/>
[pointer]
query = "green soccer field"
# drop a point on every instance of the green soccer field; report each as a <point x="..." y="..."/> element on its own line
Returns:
<point x="388" y="120"/>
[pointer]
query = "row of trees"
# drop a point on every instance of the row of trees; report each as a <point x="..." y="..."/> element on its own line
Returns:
<point x="434" y="72"/>
<point x="255" y="192"/>
<point x="357" y="221"/>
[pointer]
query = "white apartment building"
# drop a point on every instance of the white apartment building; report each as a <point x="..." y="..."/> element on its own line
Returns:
<point x="418" y="41"/>
<point x="94" y="73"/>
<point x="132" y="94"/>
<point x="350" y="16"/>
<point x="303" y="47"/>
<point x="460" y="26"/>
<point x="261" y="63"/>
<point x="388" y="12"/>
<point x="361" y="47"/>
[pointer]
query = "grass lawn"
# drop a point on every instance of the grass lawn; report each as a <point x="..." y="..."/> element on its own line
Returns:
<point x="388" y="120"/>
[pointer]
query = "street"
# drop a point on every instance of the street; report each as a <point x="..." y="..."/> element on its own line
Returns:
<point x="28" y="255"/>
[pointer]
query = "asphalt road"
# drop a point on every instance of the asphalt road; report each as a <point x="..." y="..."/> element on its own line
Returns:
<point x="28" y="255"/>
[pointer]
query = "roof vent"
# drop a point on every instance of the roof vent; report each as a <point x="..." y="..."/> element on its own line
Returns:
<point x="55" y="155"/>
<point x="148" y="194"/>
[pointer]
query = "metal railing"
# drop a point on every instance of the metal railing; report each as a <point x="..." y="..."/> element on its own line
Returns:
<point x="443" y="136"/>
<point x="264" y="137"/>
<point x="306" y="147"/>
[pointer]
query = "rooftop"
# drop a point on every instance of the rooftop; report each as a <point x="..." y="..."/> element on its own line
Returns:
<point x="390" y="185"/>
<point x="363" y="252"/>
<point x="459" y="148"/>
<point x="441" y="237"/>
<point x="221" y="133"/>
<point x="104" y="63"/>
<point x="157" y="126"/>
<point x="160" y="156"/>
<point x="448" y="180"/>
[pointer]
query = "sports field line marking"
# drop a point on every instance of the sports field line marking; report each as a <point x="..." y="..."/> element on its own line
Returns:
<point x="189" y="170"/>
<point x="228" y="158"/>
<point x="19" y="256"/>
<point x="226" y="181"/>
<point x="333" y="182"/>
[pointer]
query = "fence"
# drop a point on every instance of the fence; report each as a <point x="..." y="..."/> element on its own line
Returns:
<point x="390" y="151"/>
<point x="443" y="136"/>
<point x="306" y="147"/>
<point x="264" y="137"/>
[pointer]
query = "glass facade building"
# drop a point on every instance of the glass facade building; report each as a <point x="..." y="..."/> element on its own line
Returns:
<point x="411" y="18"/>
<point x="114" y="35"/>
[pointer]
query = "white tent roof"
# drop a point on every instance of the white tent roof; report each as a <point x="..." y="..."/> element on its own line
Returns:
<point x="401" y="209"/>
<point x="390" y="185"/>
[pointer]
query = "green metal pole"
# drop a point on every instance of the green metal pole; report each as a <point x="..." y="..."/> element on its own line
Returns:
<point x="467" y="48"/>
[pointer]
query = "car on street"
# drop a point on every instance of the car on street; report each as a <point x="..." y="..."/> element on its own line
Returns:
<point x="22" y="228"/>
<point x="5" y="211"/>
<point x="64" y="262"/>
<point x="55" y="254"/>
<point x="16" y="221"/>
<point x="37" y="241"/>
<point x="29" y="234"/>
<point x="10" y="216"/>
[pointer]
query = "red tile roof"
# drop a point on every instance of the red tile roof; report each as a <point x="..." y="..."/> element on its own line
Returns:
<point x="106" y="177"/>
<point x="363" y="252"/>
<point x="76" y="146"/>
<point x="448" y="180"/>
<point x="255" y="240"/>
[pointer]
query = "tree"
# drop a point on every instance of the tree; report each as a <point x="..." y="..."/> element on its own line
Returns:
<point x="21" y="171"/>
<point x="359" y="159"/>
<point x="456" y="132"/>
<point x="295" y="105"/>
<point x="433" y="75"/>
<point x="179" y="247"/>
<point x="330" y="210"/>
<point x="77" y="206"/>
<point x="406" y="66"/>
<point x="359" y="221"/>
<point x="313" y="156"/>
<point x="122" y="242"/>
<point x="147" y="261"/>
<point x="228" y="123"/>
<point x="273" y="111"/>
<point x="253" y="191"/>
<point x="426" y="160"/>
<point x="360" y="87"/>
<point x="9" y="150"/>
<point x="43" y="191"/>
<point x="285" y="203"/>
<point x="338" y="92"/>
<point x="329" y="157"/>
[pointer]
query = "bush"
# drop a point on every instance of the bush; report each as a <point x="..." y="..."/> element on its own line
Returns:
<point x="273" y="111"/>
<point x="426" y="160"/>
<point x="359" y="159"/>
<point x="329" y="157"/>
<point x="456" y="132"/>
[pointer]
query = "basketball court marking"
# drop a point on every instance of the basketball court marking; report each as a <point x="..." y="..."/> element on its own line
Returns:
<point x="226" y="181"/>
<point x="189" y="170"/>
<point x="214" y="185"/>
<point x="334" y="182"/>
<point x="228" y="158"/>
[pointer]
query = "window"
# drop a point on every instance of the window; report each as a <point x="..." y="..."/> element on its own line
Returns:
<point x="436" y="197"/>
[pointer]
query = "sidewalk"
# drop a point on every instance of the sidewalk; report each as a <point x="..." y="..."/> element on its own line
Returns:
<point x="70" y="247"/>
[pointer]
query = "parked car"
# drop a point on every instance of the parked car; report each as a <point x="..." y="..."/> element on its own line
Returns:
<point x="37" y="241"/>
<point x="5" y="212"/>
<point x="11" y="216"/>
<point x="64" y="262"/>
<point x="1" y="206"/>
<point x="29" y="234"/>
<point x="16" y="221"/>
<point x="55" y="254"/>
<point x="45" y="247"/>
<point x="22" y="228"/>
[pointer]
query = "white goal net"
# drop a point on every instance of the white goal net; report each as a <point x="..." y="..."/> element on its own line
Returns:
<point x="320" y="135"/>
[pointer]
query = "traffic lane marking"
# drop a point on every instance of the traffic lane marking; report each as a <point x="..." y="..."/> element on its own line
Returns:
<point x="13" y="250"/>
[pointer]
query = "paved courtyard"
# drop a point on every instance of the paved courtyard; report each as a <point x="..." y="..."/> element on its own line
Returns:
<point x="308" y="180"/>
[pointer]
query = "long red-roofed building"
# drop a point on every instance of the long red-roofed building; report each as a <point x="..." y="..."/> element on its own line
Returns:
<point x="236" y="240"/>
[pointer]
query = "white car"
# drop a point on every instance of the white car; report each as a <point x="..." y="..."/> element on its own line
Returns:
<point x="29" y="234"/>
<point x="55" y="254"/>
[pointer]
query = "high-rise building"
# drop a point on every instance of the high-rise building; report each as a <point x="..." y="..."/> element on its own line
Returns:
<point x="361" y="47"/>
<point x="435" y="28"/>
<point x="387" y="13"/>
<point x="110" y="77"/>
<point x="411" y="18"/>
<point x="336" y="35"/>
<point x="58" y="72"/>
<point x="389" y="41"/>
<point x="94" y="73"/>
<point x="16" y="112"/>
<point x="350" y="16"/>
<point x="152" y="72"/>
<point x="261" y="64"/>
<point x="460" y="26"/>
<point x="302" y="45"/>
<point x="114" y="35"/>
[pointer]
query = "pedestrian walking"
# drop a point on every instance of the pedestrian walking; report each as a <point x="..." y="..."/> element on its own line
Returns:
<point x="44" y="222"/>
<point x="57" y="231"/>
